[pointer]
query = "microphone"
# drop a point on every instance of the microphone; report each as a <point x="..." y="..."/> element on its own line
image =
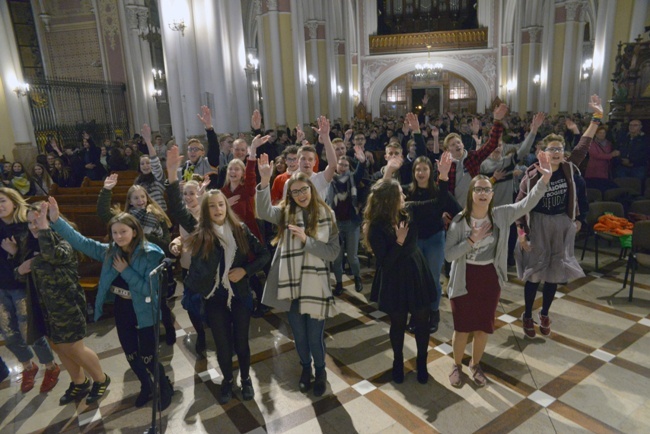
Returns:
<point x="167" y="262"/>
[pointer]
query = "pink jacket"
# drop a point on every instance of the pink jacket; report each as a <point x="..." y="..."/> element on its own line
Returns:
<point x="599" y="160"/>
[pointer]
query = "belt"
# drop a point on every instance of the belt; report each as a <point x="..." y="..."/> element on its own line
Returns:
<point x="120" y="292"/>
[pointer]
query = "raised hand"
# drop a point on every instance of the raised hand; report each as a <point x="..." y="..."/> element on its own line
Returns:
<point x="348" y="134"/>
<point x="205" y="117"/>
<point x="40" y="221"/>
<point x="435" y="132"/>
<point x="499" y="174"/>
<point x="545" y="167"/>
<point x="413" y="122"/>
<point x="53" y="209"/>
<point x="300" y="134"/>
<point x="538" y="120"/>
<point x="572" y="126"/>
<point x="595" y="104"/>
<point x="110" y="181"/>
<point x="359" y="154"/>
<point x="265" y="168"/>
<point x="256" y="120"/>
<point x="500" y="112"/>
<point x="174" y="159"/>
<point x="405" y="128"/>
<point x="323" y="127"/>
<point x="145" y="132"/>
<point x="259" y="141"/>
<point x="425" y="100"/>
<point x="444" y="165"/>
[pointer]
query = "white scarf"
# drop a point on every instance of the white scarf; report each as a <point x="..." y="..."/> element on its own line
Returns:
<point x="303" y="276"/>
<point x="227" y="240"/>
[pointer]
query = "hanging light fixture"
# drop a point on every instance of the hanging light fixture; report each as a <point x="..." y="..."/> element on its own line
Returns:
<point x="428" y="71"/>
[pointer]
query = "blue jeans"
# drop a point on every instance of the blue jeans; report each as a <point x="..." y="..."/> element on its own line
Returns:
<point x="348" y="235"/>
<point x="433" y="249"/>
<point x="309" y="336"/>
<point x="13" y="326"/>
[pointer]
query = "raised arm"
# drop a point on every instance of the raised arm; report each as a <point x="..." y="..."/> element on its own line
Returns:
<point x="263" y="207"/>
<point x="524" y="148"/>
<point x="580" y="151"/>
<point x="213" y="142"/>
<point x="323" y="132"/>
<point x="105" y="196"/>
<point x="87" y="246"/>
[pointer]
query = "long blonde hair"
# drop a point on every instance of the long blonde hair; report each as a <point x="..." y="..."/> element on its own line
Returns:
<point x="152" y="205"/>
<point x="20" y="211"/>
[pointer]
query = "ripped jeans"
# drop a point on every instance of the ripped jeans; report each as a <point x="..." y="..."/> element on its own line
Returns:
<point x="13" y="326"/>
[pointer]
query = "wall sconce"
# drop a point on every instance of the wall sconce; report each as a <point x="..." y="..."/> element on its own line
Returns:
<point x="511" y="85"/>
<point x="22" y="89"/>
<point x="355" y="94"/>
<point x="339" y="90"/>
<point x="587" y="68"/>
<point x="311" y="80"/>
<point x="536" y="79"/>
<point x="157" y="75"/>
<point x="252" y="63"/>
<point x="256" y="85"/>
<point x="156" y="94"/>
<point x="178" y="26"/>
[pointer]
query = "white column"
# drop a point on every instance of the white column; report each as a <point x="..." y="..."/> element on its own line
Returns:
<point x="603" y="47"/>
<point x="578" y="81"/>
<point x="276" y="64"/>
<point x="569" y="58"/>
<point x="11" y="74"/>
<point x="300" y="64"/>
<point x="312" y="27"/>
<point x="241" y="108"/>
<point x="532" y="88"/>
<point x="150" y="102"/>
<point x="639" y="15"/>
<point x="546" y="68"/>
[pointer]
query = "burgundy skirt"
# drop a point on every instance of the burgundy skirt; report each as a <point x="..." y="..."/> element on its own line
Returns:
<point x="475" y="310"/>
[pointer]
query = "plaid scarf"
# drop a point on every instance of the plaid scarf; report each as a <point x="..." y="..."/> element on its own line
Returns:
<point x="303" y="276"/>
<point x="149" y="222"/>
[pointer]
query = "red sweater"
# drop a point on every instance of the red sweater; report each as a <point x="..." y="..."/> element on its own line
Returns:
<point x="245" y="207"/>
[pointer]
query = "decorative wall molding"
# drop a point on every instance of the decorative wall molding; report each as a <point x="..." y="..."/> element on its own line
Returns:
<point x="312" y="27"/>
<point x="571" y="9"/>
<point x="110" y="21"/>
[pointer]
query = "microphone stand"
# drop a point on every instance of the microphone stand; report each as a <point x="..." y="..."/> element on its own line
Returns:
<point x="155" y="309"/>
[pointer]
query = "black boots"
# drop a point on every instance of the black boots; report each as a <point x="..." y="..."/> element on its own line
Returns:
<point x="226" y="392"/>
<point x="166" y="391"/>
<point x="398" y="370"/>
<point x="434" y="320"/>
<point x="320" y="383"/>
<point x="423" y="373"/>
<point x="305" y="379"/>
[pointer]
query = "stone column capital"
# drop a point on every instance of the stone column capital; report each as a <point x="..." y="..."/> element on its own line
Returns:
<point x="312" y="26"/>
<point x="571" y="9"/>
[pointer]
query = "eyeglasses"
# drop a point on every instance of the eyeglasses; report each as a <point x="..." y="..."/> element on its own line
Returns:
<point x="554" y="150"/>
<point x="291" y="159"/>
<point x="479" y="190"/>
<point x="194" y="149"/>
<point x="301" y="192"/>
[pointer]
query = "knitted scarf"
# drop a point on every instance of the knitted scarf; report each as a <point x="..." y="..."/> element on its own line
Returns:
<point x="149" y="222"/>
<point x="342" y="186"/>
<point x="227" y="240"/>
<point x="302" y="275"/>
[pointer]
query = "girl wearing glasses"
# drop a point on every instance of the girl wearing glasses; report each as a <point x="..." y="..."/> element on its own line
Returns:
<point x="298" y="281"/>
<point x="477" y="247"/>
<point x="547" y="234"/>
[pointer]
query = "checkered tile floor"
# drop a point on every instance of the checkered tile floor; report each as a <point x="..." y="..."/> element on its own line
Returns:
<point x="591" y="375"/>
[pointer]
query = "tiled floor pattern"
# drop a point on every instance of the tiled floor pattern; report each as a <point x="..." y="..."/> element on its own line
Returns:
<point x="591" y="375"/>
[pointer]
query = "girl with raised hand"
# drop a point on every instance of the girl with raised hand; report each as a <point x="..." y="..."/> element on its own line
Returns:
<point x="547" y="235"/>
<point x="127" y="259"/>
<point x="155" y="226"/>
<point x="298" y="280"/>
<point x="15" y="307"/>
<point x="225" y="253"/>
<point x="403" y="281"/>
<point x="49" y="265"/>
<point x="151" y="176"/>
<point x="477" y="247"/>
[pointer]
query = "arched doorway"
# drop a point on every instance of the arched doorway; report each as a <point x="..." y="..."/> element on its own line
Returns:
<point x="449" y="92"/>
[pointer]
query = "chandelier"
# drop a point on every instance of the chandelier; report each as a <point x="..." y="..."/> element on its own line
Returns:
<point x="428" y="72"/>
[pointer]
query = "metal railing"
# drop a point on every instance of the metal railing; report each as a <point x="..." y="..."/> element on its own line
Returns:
<point x="65" y="108"/>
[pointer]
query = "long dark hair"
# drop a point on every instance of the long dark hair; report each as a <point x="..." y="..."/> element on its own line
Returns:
<point x="205" y="237"/>
<point x="467" y="212"/>
<point x="432" y="187"/>
<point x="138" y="238"/>
<point x="383" y="206"/>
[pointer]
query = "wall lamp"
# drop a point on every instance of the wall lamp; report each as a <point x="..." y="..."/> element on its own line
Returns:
<point x="311" y="80"/>
<point x="178" y="26"/>
<point x="536" y="79"/>
<point x="22" y="89"/>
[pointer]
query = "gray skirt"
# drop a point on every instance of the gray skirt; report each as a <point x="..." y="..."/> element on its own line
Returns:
<point x="552" y="258"/>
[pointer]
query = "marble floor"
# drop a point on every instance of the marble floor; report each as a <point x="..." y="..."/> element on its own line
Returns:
<point x="591" y="375"/>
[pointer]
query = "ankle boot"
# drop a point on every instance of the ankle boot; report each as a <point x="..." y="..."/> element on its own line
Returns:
<point x="226" y="392"/>
<point x="434" y="320"/>
<point x="320" y="383"/>
<point x="398" y="370"/>
<point x="423" y="373"/>
<point x="305" y="379"/>
<point x="166" y="391"/>
<point x="144" y="396"/>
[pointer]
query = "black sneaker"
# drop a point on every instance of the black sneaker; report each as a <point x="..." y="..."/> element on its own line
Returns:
<point x="338" y="289"/>
<point x="98" y="390"/>
<point x="434" y="320"/>
<point x="75" y="392"/>
<point x="358" y="285"/>
<point x="247" y="391"/>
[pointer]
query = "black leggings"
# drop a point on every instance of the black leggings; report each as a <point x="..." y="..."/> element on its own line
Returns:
<point x="398" y="329"/>
<point x="230" y="329"/>
<point x="138" y="344"/>
<point x="530" y="291"/>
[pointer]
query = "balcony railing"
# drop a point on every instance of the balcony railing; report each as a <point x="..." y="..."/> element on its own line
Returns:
<point x="435" y="41"/>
